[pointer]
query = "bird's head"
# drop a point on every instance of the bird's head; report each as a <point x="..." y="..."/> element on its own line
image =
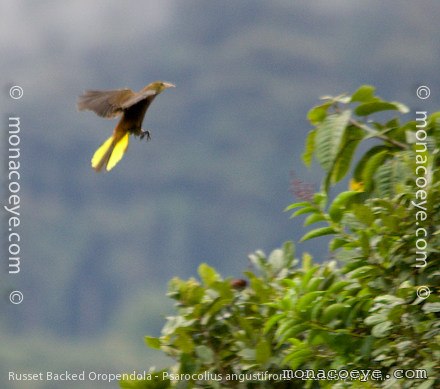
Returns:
<point x="159" y="86"/>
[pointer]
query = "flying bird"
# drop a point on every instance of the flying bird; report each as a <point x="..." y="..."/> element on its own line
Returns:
<point x="131" y="106"/>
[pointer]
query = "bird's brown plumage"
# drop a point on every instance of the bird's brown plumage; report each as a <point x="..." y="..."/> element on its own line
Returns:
<point x="131" y="106"/>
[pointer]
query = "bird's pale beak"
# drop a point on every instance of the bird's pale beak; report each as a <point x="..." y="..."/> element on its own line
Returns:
<point x="169" y="85"/>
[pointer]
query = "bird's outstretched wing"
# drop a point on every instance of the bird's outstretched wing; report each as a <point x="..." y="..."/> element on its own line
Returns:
<point x="107" y="104"/>
<point x="137" y="97"/>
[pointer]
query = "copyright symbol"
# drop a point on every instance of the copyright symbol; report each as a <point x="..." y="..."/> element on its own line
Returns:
<point x="423" y="292"/>
<point x="423" y="92"/>
<point x="16" y="92"/>
<point x="16" y="297"/>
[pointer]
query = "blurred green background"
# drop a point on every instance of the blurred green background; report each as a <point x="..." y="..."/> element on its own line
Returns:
<point x="99" y="249"/>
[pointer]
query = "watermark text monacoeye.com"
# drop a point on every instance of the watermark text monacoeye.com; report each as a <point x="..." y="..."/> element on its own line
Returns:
<point x="12" y="202"/>
<point x="422" y="178"/>
<point x="421" y="195"/>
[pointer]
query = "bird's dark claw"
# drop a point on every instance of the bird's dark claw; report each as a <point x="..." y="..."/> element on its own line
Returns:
<point x="145" y="133"/>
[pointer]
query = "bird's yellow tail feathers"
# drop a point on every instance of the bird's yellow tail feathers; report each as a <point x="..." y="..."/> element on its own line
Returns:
<point x="110" y="152"/>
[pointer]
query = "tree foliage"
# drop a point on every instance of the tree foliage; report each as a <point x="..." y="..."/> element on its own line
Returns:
<point x="373" y="307"/>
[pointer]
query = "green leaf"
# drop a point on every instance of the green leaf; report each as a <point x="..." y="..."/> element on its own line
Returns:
<point x="152" y="342"/>
<point x="258" y="259"/>
<point x="315" y="283"/>
<point x="316" y="309"/>
<point x="208" y="274"/>
<point x="384" y="180"/>
<point x="362" y="271"/>
<point x="358" y="173"/>
<point x="289" y="253"/>
<point x="318" y="232"/>
<point x="271" y="322"/>
<point x="298" y="357"/>
<point x="307" y="155"/>
<point x="332" y="311"/>
<point x="189" y="292"/>
<point x="381" y="330"/>
<point x="363" y="94"/>
<point x="367" y="346"/>
<point x="364" y="242"/>
<point x="352" y="137"/>
<point x="377" y="106"/>
<point x="296" y="205"/>
<point x="391" y="175"/>
<point x="310" y="271"/>
<point x="354" y="316"/>
<point x="297" y="343"/>
<point x="288" y="329"/>
<point x="262" y="351"/>
<point x="428" y="384"/>
<point x="320" y="199"/>
<point x="314" y="218"/>
<point x="339" y="204"/>
<point x="363" y="214"/>
<point x="401" y="107"/>
<point x="184" y="342"/>
<point x="276" y="259"/>
<point x="329" y="136"/>
<point x="247" y="354"/>
<point x="303" y="211"/>
<point x="371" y="167"/>
<point x="338" y="286"/>
<point x="205" y="354"/>
<point x="376" y="319"/>
<point x="318" y="114"/>
<point x="337" y="243"/>
<point x="389" y="300"/>
<point x="431" y="307"/>
<point x="307" y="262"/>
<point x="342" y="98"/>
<point x="305" y="303"/>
